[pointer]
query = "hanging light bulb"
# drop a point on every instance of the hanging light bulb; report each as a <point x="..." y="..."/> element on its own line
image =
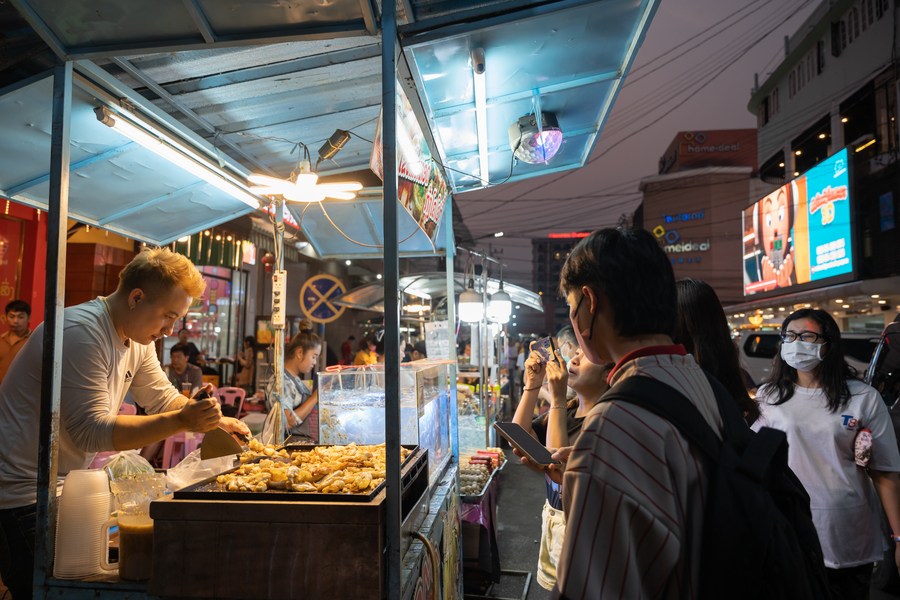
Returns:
<point x="471" y="306"/>
<point x="303" y="186"/>
<point x="500" y="306"/>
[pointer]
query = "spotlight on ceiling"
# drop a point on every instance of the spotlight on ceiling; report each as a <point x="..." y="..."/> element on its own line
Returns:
<point x="333" y="144"/>
<point x="534" y="142"/>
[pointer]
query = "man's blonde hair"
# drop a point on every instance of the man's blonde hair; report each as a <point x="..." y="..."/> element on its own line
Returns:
<point x="159" y="270"/>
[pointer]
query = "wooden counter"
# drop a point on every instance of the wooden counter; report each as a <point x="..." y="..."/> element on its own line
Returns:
<point x="249" y="550"/>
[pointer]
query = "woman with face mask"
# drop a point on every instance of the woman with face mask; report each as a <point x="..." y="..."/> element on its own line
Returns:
<point x="830" y="416"/>
<point x="558" y="427"/>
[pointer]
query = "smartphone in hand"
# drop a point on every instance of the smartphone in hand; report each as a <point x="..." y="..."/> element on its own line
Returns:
<point x="546" y="347"/>
<point x="522" y="441"/>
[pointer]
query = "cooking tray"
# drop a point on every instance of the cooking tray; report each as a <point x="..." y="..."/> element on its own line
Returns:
<point x="477" y="498"/>
<point x="210" y="489"/>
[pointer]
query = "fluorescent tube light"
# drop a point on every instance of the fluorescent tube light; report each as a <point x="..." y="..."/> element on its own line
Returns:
<point x="159" y="144"/>
<point x="481" y="117"/>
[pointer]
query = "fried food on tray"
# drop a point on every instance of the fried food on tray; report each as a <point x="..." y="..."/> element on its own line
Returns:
<point x="347" y="469"/>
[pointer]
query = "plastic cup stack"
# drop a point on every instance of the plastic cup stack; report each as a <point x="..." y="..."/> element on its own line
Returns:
<point x="82" y="528"/>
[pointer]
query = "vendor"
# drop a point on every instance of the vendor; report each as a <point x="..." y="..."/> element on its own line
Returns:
<point x="107" y="351"/>
<point x="299" y="399"/>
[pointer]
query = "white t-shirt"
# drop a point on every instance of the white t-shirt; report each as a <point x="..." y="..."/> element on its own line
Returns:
<point x="97" y="371"/>
<point x="845" y="507"/>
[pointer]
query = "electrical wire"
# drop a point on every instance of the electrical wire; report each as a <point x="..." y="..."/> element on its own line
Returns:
<point x="358" y="243"/>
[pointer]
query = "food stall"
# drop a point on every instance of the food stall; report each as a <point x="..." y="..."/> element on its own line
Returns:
<point x="158" y="162"/>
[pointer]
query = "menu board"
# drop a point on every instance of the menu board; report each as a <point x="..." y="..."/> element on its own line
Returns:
<point x="421" y="188"/>
<point x="801" y="234"/>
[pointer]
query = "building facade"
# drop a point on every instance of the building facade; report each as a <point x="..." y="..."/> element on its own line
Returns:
<point x="548" y="255"/>
<point x="837" y="88"/>
<point x="696" y="215"/>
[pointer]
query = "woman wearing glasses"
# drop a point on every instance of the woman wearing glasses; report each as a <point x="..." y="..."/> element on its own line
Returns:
<point x="829" y="417"/>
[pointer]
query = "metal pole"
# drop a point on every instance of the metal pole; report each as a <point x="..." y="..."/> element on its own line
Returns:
<point x="279" y="329"/>
<point x="391" y="297"/>
<point x="450" y="264"/>
<point x="485" y="342"/>
<point x="54" y="294"/>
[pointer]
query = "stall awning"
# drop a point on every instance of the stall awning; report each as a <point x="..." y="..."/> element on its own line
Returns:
<point x="117" y="183"/>
<point x="371" y="295"/>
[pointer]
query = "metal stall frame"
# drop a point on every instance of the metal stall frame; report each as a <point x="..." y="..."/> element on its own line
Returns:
<point x="48" y="461"/>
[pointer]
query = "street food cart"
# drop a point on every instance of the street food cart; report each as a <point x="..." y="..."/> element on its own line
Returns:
<point x="155" y="119"/>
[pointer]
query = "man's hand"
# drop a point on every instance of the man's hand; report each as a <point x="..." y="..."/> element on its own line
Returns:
<point x="200" y="416"/>
<point x="553" y="471"/>
<point x="232" y="425"/>
<point x="558" y="378"/>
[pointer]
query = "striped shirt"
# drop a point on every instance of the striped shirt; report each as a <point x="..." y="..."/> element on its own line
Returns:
<point x="633" y="493"/>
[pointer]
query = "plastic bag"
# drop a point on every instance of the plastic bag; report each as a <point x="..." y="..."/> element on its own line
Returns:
<point x="127" y="464"/>
<point x="192" y="469"/>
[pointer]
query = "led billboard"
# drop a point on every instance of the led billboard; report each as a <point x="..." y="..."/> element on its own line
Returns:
<point x="800" y="235"/>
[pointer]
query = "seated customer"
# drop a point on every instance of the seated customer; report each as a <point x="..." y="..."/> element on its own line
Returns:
<point x="180" y="371"/>
<point x="299" y="399"/>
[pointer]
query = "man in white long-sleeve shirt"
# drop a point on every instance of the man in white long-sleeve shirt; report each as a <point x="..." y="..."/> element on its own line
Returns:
<point x="107" y="352"/>
<point x="633" y="489"/>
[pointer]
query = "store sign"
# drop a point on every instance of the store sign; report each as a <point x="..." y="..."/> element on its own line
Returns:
<point x="800" y="233"/>
<point x="674" y="244"/>
<point x="421" y="187"/>
<point x="569" y="235"/>
<point x="317" y="298"/>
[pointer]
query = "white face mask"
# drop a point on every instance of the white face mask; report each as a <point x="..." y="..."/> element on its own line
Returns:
<point x="803" y="356"/>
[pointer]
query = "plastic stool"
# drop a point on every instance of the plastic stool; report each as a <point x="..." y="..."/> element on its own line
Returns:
<point x="178" y="446"/>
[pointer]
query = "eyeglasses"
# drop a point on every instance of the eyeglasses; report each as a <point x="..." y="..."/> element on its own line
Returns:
<point x="803" y="336"/>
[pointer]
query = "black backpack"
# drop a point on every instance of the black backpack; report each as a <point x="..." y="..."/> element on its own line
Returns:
<point x="759" y="540"/>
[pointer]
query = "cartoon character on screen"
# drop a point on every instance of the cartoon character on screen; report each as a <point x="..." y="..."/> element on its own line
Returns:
<point x="772" y="222"/>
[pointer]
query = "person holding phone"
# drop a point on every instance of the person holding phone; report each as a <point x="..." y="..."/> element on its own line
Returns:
<point x="634" y="488"/>
<point x="108" y="351"/>
<point x="557" y="428"/>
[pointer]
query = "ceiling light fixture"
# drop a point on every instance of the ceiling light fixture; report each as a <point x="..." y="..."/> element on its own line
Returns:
<point x="471" y="305"/>
<point x="499" y="234"/>
<point x="500" y="306"/>
<point x="481" y="114"/>
<point x="166" y="147"/>
<point x="535" y="142"/>
<point x="866" y="145"/>
<point x="303" y="186"/>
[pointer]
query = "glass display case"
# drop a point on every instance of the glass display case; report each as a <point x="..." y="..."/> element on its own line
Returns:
<point x="478" y="409"/>
<point x="351" y="408"/>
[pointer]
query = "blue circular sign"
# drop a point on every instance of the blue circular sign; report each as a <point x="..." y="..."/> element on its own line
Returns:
<point x="317" y="298"/>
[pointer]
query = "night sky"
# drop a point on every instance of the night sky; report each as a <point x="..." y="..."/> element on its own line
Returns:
<point x="694" y="72"/>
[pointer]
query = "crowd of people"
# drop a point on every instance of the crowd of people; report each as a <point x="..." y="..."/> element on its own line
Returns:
<point x="625" y="509"/>
<point x="626" y="499"/>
